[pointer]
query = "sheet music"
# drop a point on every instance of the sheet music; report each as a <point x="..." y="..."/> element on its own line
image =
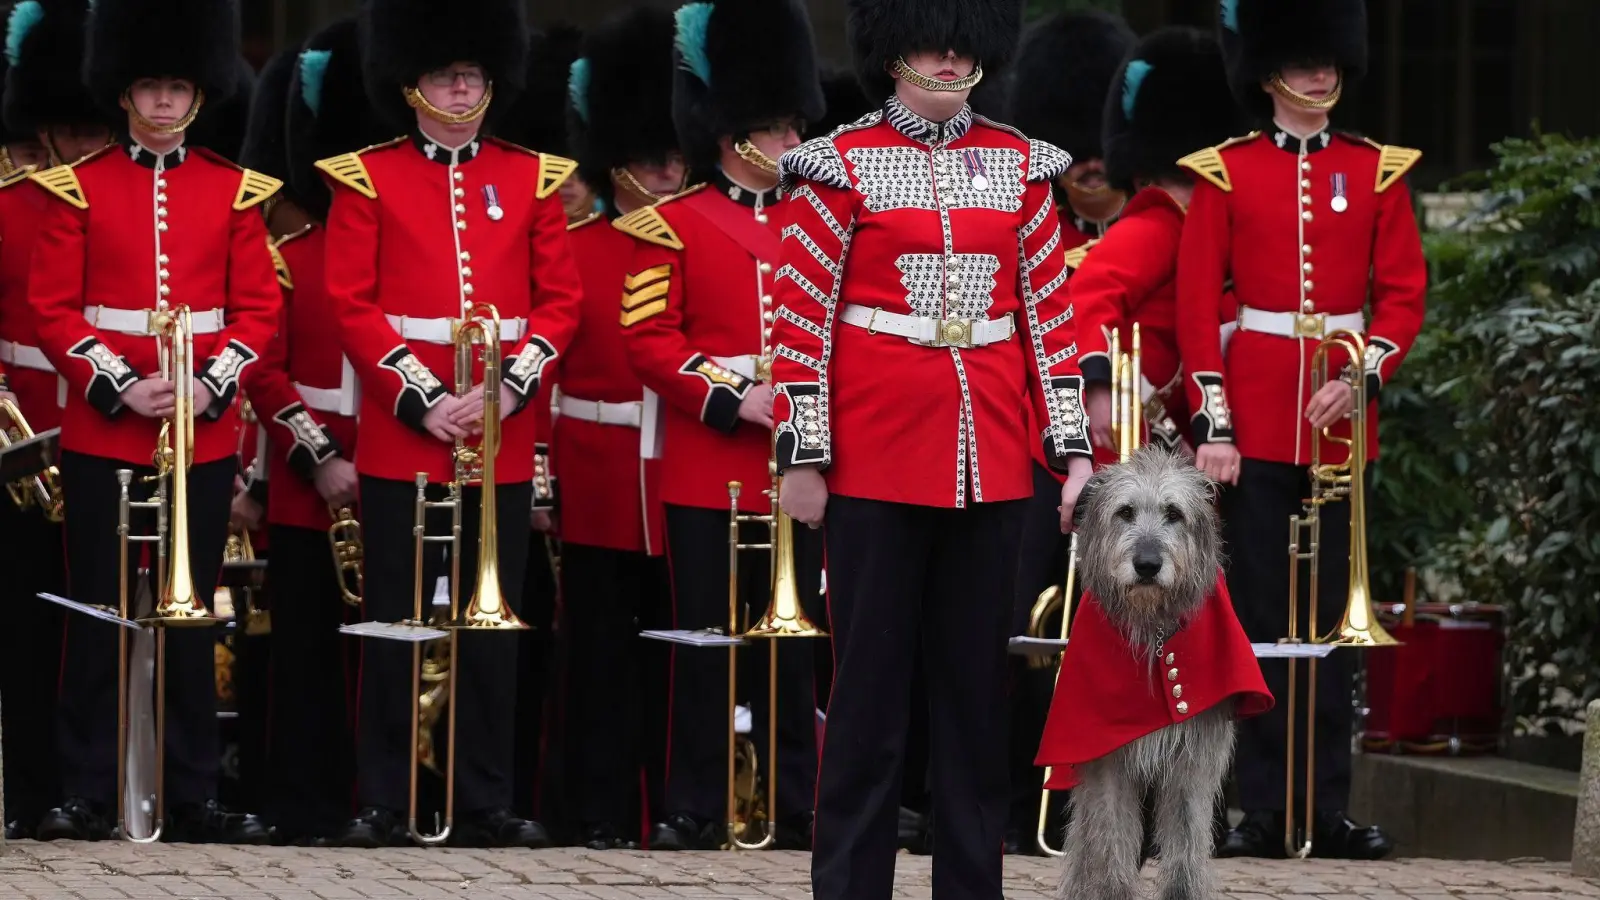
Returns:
<point x="394" y="631"/>
<point x="693" y="638"/>
<point x="1293" y="651"/>
<point x="1022" y="645"/>
<point x="97" y="612"/>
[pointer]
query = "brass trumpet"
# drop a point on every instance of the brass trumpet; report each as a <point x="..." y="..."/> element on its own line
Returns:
<point x="1359" y="627"/>
<point x="43" y="489"/>
<point x="785" y="617"/>
<point x="344" y="539"/>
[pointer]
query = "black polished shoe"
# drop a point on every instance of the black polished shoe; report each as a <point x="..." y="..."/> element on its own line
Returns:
<point x="1335" y="836"/>
<point x="794" y="832"/>
<point x="1259" y="836"/>
<point x="372" y="828"/>
<point x="212" y="823"/>
<point x="18" y="831"/>
<point x="606" y="836"/>
<point x="75" y="820"/>
<point x="492" y="828"/>
<point x="682" y="831"/>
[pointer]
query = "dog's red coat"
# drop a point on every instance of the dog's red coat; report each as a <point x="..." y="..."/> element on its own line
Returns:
<point x="1109" y="695"/>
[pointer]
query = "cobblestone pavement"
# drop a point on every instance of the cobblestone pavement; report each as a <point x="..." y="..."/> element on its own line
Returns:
<point x="112" y="871"/>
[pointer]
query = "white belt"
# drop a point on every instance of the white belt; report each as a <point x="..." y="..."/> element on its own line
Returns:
<point x="137" y="321"/>
<point x="629" y="414"/>
<point x="928" y="331"/>
<point x="24" y="356"/>
<point x="442" y="331"/>
<point x="1315" y="326"/>
<point x="320" y="399"/>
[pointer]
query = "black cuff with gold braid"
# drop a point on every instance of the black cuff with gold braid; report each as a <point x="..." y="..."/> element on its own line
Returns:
<point x="544" y="481"/>
<point x="1213" y="423"/>
<point x="112" y="375"/>
<point x="220" y="374"/>
<point x="313" y="444"/>
<point x="1067" y="434"/>
<point x="420" y="389"/>
<point x="725" y="390"/>
<point x="804" y="439"/>
<point x="1096" y="368"/>
<point x="523" y="371"/>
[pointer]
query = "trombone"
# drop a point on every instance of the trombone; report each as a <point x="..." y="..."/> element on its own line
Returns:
<point x="1359" y="627"/>
<point x="44" y="488"/>
<point x="785" y="617"/>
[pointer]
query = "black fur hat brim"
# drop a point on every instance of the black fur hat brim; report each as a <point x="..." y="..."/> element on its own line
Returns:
<point x="1057" y="88"/>
<point x="45" y="87"/>
<point x="881" y="31"/>
<point x="221" y="127"/>
<point x="754" y="62"/>
<point x="265" y="135"/>
<point x="1260" y="37"/>
<point x="327" y="111"/>
<point x="621" y="109"/>
<point x="196" y="40"/>
<point x="1169" y="99"/>
<point x="539" y="119"/>
<point x="404" y="39"/>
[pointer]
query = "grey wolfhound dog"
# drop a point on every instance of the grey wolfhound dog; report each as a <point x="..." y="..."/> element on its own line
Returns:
<point x="1151" y="547"/>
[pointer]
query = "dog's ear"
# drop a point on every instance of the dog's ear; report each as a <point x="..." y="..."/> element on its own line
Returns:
<point x="1090" y="488"/>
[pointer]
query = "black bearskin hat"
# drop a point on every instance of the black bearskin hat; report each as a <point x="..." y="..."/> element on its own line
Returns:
<point x="538" y="121"/>
<point x="1169" y="99"/>
<point x="845" y="102"/>
<point x="881" y="31"/>
<point x="739" y="64"/>
<point x="265" y="143"/>
<point x="221" y="127"/>
<point x="1057" y="91"/>
<point x="8" y="135"/>
<point x="196" y="40"/>
<point x="328" y="112"/>
<point x="44" y="84"/>
<point x="621" y="96"/>
<point x="403" y="39"/>
<point x="1260" y="37"/>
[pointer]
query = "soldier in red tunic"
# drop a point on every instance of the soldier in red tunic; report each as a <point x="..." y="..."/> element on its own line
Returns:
<point x="613" y="575"/>
<point x="923" y="309"/>
<point x="138" y="227"/>
<point x="427" y="225"/>
<point x="1309" y="224"/>
<point x="697" y="309"/>
<point x="45" y="99"/>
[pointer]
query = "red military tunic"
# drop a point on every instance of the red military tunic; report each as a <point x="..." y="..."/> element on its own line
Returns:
<point x="129" y="232"/>
<point x="601" y="405"/>
<point x="696" y="302"/>
<point x="1129" y="277"/>
<point x="421" y="230"/>
<point x="303" y="391"/>
<point x="24" y="369"/>
<point x="1308" y="231"/>
<point x="907" y="229"/>
<point x="1109" y="694"/>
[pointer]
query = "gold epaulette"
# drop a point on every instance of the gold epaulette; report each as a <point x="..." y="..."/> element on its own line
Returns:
<point x="280" y="265"/>
<point x="1208" y="163"/>
<point x="350" y="171"/>
<point x="254" y="188"/>
<point x="17" y="176"/>
<point x="590" y="219"/>
<point x="1393" y="163"/>
<point x="1078" y="254"/>
<point x="63" y="182"/>
<point x="647" y="224"/>
<point x="553" y="173"/>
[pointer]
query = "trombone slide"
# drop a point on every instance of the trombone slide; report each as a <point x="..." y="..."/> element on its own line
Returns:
<point x="1039" y="836"/>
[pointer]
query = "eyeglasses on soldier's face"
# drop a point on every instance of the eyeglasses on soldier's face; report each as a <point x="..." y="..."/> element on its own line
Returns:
<point x="447" y="77"/>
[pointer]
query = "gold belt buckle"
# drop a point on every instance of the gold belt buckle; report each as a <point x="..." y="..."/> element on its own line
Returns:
<point x="1310" y="325"/>
<point x="956" y="332"/>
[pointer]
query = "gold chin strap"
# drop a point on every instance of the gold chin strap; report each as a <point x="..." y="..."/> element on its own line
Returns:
<point x="1282" y="89"/>
<point x="1097" y="205"/>
<point x="917" y="79"/>
<point x="415" y="100"/>
<point x="748" y="152"/>
<point x="627" y="182"/>
<point x="177" y="127"/>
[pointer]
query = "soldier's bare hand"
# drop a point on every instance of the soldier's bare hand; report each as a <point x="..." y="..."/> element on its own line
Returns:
<point x="336" y="481"/>
<point x="1220" y="462"/>
<point x="245" y="514"/>
<point x="439" y="420"/>
<point x="803" y="495"/>
<point x="1330" y="404"/>
<point x="153" y="398"/>
<point x="541" y="521"/>
<point x="756" y="407"/>
<point x="1079" y="468"/>
<point x="1097" y="403"/>
<point x="202" y="396"/>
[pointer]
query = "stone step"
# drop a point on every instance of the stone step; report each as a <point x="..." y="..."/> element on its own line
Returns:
<point x="1483" y="807"/>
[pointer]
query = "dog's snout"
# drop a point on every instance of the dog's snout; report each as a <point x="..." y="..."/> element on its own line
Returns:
<point x="1147" y="560"/>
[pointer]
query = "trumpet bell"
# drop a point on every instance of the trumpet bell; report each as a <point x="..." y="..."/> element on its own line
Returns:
<point x="1359" y="627"/>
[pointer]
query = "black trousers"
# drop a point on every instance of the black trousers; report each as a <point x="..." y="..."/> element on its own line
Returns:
<point x="485" y="664"/>
<point x="697" y="761"/>
<point x="537" y="773"/>
<point x="900" y="576"/>
<point x="86" y="721"/>
<point x="1255" y="516"/>
<point x="311" y="747"/>
<point x="32" y="648"/>
<point x="614" y="678"/>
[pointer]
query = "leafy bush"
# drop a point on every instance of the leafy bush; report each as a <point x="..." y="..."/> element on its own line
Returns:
<point x="1490" y="475"/>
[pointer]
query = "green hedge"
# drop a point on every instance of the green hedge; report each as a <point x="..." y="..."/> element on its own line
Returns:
<point x="1489" y="482"/>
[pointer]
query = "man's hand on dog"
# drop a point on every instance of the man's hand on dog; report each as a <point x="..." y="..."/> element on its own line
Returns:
<point x="1220" y="462"/>
<point x="803" y="495"/>
<point x="1079" y="468"/>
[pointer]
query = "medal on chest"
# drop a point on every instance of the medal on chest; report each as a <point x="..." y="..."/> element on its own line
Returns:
<point x="1340" y="202"/>
<point x="491" y="202"/>
<point x="976" y="173"/>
